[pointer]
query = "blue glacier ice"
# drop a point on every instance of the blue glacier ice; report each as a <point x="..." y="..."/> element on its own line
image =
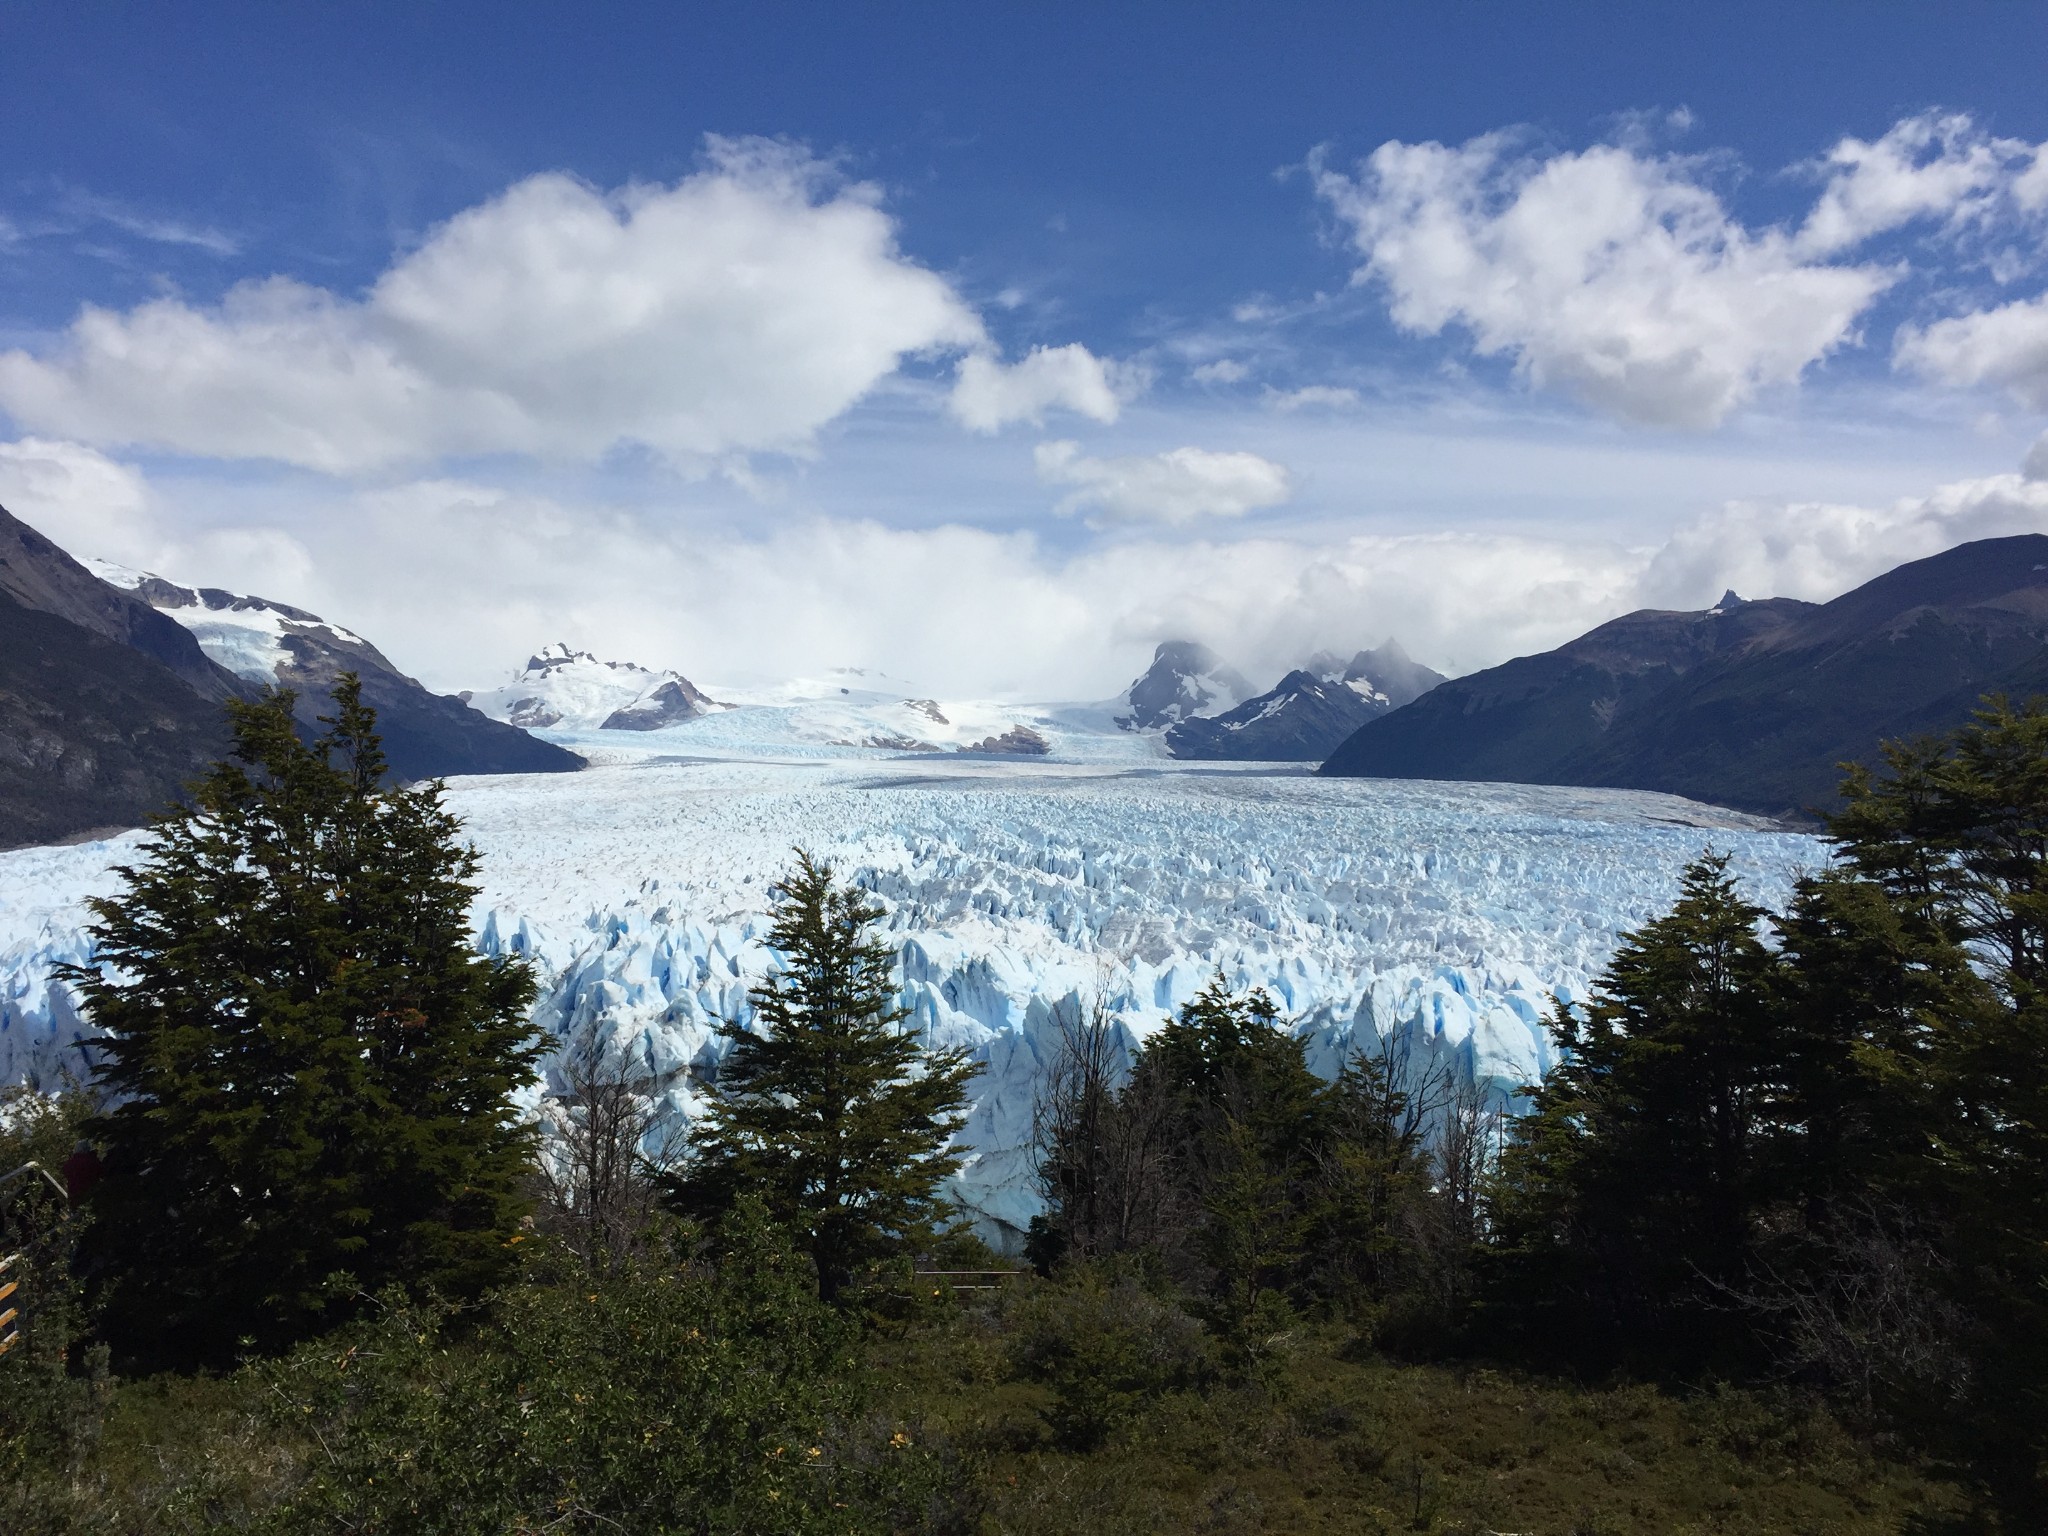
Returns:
<point x="1447" y="915"/>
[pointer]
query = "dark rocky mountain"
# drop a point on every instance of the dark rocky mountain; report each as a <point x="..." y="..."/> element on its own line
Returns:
<point x="1747" y="704"/>
<point x="1017" y="741"/>
<point x="1186" y="679"/>
<point x="109" y="706"/>
<point x="42" y="578"/>
<point x="94" y="735"/>
<point x="672" y="703"/>
<point x="426" y="735"/>
<point x="1312" y="710"/>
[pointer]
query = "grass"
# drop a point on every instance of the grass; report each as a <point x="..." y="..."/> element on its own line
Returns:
<point x="1325" y="1436"/>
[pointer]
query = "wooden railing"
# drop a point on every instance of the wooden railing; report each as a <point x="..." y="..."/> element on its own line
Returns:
<point x="13" y="1265"/>
<point x="970" y="1279"/>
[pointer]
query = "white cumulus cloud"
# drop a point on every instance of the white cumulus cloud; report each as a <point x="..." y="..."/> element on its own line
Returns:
<point x="1932" y="166"/>
<point x="989" y="395"/>
<point x="737" y="310"/>
<point x="81" y="500"/>
<point x="2006" y="347"/>
<point x="1614" y="275"/>
<point x="1175" y="487"/>
<point x="459" y="581"/>
<point x="1819" y="550"/>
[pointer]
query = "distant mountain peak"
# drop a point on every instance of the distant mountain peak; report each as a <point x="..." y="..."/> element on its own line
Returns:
<point x="1186" y="681"/>
<point x="1308" y="712"/>
<point x="1392" y="674"/>
<point x="561" y="685"/>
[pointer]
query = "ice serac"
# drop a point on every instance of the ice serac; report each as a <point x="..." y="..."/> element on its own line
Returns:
<point x="1444" y="916"/>
<point x="269" y="644"/>
<point x="1186" y="680"/>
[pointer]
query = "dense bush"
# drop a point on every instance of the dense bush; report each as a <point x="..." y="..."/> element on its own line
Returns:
<point x="1107" y="1346"/>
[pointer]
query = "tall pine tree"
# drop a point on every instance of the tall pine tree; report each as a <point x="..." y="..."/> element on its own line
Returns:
<point x="309" y="1070"/>
<point x="828" y="1112"/>
<point x="1627" y="1196"/>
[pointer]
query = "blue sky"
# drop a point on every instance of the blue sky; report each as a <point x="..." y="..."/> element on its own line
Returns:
<point x="990" y="345"/>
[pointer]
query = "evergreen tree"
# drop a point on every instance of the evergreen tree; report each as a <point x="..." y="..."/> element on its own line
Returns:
<point x="1241" y="1121"/>
<point x="1628" y="1194"/>
<point x="1373" y="1178"/>
<point x="309" y="1071"/>
<point x="828" y="1112"/>
<point x="1956" y="835"/>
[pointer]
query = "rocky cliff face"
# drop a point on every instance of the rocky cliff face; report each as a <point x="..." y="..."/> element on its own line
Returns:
<point x="107" y="708"/>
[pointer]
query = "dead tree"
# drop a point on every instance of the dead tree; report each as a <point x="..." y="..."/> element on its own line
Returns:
<point x="1097" y="1145"/>
<point x="606" y="1143"/>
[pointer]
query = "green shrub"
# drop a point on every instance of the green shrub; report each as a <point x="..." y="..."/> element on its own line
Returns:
<point x="1107" y="1347"/>
<point x="663" y="1398"/>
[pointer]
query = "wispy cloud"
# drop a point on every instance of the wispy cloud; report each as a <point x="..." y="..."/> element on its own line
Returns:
<point x="144" y="226"/>
<point x="1325" y="397"/>
<point x="1179" y="486"/>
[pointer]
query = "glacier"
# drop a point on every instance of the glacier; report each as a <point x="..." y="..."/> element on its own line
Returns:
<point x="1444" y="915"/>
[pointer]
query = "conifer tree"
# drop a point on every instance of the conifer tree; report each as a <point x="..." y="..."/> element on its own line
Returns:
<point x="828" y="1112"/>
<point x="309" y="1070"/>
<point x="1242" y="1120"/>
<point x="1627" y="1194"/>
<point x="1956" y="835"/>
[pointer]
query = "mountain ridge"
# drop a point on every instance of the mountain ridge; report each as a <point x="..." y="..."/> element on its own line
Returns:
<point x="1747" y="704"/>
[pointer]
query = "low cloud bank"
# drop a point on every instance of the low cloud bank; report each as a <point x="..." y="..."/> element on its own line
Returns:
<point x="459" y="582"/>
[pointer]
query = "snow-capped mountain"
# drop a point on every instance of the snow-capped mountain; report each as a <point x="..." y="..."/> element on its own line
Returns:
<point x="581" y="702"/>
<point x="426" y="735"/>
<point x="1443" y="915"/>
<point x="561" y="686"/>
<point x="1387" y="674"/>
<point x="1186" y="681"/>
<point x="251" y="636"/>
<point x="1310" y="712"/>
<point x="1301" y="720"/>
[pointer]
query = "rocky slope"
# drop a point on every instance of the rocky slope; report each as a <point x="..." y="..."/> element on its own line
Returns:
<point x="1185" y="681"/>
<point x="107" y="707"/>
<point x="1748" y="704"/>
<point x="426" y="735"/>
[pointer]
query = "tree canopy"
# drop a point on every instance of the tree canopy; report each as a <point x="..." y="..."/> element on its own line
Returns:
<point x="309" y="1072"/>
<point x="827" y="1110"/>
